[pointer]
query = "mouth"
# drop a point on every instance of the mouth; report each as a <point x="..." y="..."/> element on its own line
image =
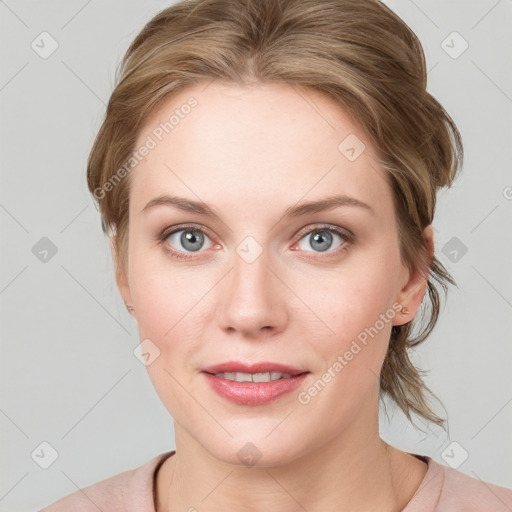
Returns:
<point x="253" y="384"/>
<point x="253" y="377"/>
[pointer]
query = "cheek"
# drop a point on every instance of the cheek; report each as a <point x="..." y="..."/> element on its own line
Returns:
<point x="171" y="313"/>
<point x="173" y="307"/>
<point x="357" y="312"/>
<point x="167" y="301"/>
<point x="162" y="293"/>
<point x="351" y="298"/>
<point x="355" y="306"/>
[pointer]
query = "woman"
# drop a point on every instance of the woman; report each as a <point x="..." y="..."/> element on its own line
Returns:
<point x="267" y="173"/>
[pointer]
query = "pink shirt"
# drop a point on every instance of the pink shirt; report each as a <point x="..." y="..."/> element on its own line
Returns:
<point x="443" y="490"/>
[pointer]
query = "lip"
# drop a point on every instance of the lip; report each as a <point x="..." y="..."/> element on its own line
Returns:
<point x="261" y="367"/>
<point x="253" y="393"/>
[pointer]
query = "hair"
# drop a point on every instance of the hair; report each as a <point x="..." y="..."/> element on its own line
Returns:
<point x="358" y="53"/>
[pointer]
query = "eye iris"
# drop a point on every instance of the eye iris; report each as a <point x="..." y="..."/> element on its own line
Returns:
<point x="192" y="237"/>
<point x="324" y="238"/>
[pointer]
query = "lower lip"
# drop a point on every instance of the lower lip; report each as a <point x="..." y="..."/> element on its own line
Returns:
<point x="253" y="393"/>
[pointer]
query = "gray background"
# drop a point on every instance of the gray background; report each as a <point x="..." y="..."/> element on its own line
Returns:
<point x="69" y="376"/>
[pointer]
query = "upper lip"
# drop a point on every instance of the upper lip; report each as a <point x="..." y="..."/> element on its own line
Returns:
<point x="261" y="367"/>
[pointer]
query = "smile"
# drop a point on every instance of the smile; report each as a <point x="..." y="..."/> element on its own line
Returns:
<point x="253" y="377"/>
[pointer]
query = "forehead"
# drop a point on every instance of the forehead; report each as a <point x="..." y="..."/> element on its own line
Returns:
<point x="266" y="141"/>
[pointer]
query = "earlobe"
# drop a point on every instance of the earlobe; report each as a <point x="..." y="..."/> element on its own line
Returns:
<point x="412" y="293"/>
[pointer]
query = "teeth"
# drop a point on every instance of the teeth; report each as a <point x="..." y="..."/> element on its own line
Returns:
<point x="262" y="377"/>
<point x="243" y="377"/>
<point x="253" y="377"/>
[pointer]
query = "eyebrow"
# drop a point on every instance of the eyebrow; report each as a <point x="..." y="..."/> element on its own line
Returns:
<point x="306" y="208"/>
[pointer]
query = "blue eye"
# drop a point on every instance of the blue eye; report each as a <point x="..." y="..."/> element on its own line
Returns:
<point x="181" y="242"/>
<point x="185" y="240"/>
<point x="321" y="239"/>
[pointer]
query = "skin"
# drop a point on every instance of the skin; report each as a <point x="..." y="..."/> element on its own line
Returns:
<point x="249" y="153"/>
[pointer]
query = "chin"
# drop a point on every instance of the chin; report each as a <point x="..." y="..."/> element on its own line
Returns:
<point x="257" y="450"/>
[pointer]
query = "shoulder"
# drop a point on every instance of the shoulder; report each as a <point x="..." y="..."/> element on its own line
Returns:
<point x="445" y="489"/>
<point x="130" y="491"/>
<point x="463" y="492"/>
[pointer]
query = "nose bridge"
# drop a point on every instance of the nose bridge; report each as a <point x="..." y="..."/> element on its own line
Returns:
<point x="251" y="298"/>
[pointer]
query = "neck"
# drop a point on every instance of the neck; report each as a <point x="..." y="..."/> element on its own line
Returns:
<point x="354" y="471"/>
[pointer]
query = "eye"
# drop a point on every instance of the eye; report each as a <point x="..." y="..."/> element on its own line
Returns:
<point x="185" y="239"/>
<point x="325" y="239"/>
<point x="182" y="242"/>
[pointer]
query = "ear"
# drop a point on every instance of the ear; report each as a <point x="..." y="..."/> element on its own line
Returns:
<point x="415" y="282"/>
<point x="121" y="277"/>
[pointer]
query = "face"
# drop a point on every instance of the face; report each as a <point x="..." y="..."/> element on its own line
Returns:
<point x="252" y="277"/>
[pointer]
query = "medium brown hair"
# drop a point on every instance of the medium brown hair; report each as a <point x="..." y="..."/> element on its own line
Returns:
<point x="358" y="53"/>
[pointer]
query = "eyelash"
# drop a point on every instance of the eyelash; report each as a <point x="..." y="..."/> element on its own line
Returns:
<point x="347" y="236"/>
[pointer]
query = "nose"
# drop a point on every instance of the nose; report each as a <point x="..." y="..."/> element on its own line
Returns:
<point x="252" y="299"/>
